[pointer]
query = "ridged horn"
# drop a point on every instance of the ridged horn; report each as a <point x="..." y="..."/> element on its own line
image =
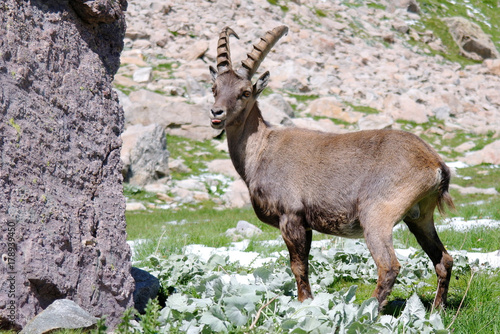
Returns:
<point x="223" y="54"/>
<point x="260" y="51"/>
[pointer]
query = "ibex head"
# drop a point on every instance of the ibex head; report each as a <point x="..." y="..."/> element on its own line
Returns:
<point x="234" y="92"/>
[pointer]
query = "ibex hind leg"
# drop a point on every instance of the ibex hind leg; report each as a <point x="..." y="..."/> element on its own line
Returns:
<point x="298" y="241"/>
<point x="425" y="232"/>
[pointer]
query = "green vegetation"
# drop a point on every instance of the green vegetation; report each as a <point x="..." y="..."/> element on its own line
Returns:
<point x="168" y="66"/>
<point x="124" y="89"/>
<point x="184" y="299"/>
<point x="363" y="109"/>
<point x="484" y="13"/>
<point x="280" y="3"/>
<point x="194" y="153"/>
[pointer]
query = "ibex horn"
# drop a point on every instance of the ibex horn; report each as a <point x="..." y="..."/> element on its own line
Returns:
<point x="223" y="54"/>
<point x="260" y="51"/>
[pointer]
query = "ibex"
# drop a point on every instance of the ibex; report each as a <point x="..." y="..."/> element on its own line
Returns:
<point x="351" y="185"/>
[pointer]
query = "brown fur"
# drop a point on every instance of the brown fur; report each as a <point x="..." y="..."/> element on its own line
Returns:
<point x="351" y="185"/>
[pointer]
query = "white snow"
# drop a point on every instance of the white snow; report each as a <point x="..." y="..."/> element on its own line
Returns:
<point x="461" y="225"/>
<point x="236" y="252"/>
<point x="456" y="164"/>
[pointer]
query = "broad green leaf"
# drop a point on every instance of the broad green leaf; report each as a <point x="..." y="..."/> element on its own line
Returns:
<point x="289" y="323"/>
<point x="414" y="309"/>
<point x="215" y="323"/>
<point x="350" y="295"/>
<point x="246" y="301"/>
<point x="235" y="316"/>
<point x="263" y="273"/>
<point x="369" y="308"/>
<point x="180" y="303"/>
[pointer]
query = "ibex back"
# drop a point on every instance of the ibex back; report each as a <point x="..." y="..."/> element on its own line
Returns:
<point x="351" y="185"/>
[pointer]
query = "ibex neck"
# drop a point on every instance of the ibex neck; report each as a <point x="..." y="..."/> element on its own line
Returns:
<point x="246" y="141"/>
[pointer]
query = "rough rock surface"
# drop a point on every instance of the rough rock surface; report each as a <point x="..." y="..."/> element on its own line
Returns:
<point x="61" y="314"/>
<point x="374" y="65"/>
<point x="471" y="40"/>
<point x="490" y="154"/>
<point x="62" y="224"/>
<point x="146" y="288"/>
<point x="144" y="154"/>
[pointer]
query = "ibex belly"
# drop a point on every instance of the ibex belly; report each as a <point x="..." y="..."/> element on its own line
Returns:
<point x="339" y="225"/>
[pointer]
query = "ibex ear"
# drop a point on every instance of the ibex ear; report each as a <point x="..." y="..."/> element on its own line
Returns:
<point x="213" y="73"/>
<point x="261" y="83"/>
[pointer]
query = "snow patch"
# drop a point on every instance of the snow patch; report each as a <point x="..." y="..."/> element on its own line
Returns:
<point x="461" y="225"/>
<point x="457" y="164"/>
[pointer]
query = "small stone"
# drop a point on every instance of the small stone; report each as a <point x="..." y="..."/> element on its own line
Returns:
<point x="375" y="122"/>
<point x="247" y="230"/>
<point x="142" y="75"/>
<point x="134" y="206"/>
<point x="467" y="146"/>
<point x="61" y="314"/>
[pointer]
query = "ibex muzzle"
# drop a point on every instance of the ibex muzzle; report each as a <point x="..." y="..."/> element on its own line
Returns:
<point x="352" y="185"/>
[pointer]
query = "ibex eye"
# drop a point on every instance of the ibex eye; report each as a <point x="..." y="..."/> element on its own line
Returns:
<point x="246" y="94"/>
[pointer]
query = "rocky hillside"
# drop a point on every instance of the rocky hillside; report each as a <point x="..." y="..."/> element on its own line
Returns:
<point x="345" y="65"/>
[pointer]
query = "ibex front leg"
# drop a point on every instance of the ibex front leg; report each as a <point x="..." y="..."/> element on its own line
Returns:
<point x="298" y="241"/>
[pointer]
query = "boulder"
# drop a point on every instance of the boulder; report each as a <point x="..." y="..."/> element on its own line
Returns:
<point x="277" y="101"/>
<point x="176" y="116"/>
<point x="325" y="125"/>
<point x="375" y="122"/>
<point x="464" y="147"/>
<point x="493" y="66"/>
<point x="490" y="154"/>
<point x="237" y="195"/>
<point x="473" y="190"/>
<point x="146" y="288"/>
<point x="471" y="39"/>
<point x="404" y="107"/>
<point x="243" y="230"/>
<point x="273" y="115"/>
<point x="330" y="107"/>
<point x="222" y="166"/>
<point x="60" y="181"/>
<point x="135" y="206"/>
<point x="61" y="314"/>
<point x="144" y="154"/>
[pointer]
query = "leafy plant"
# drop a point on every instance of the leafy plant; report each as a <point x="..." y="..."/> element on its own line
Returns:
<point x="219" y="297"/>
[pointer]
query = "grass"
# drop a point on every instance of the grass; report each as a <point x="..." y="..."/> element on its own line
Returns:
<point x="280" y="4"/>
<point x="483" y="13"/>
<point x="207" y="226"/>
<point x="194" y="153"/>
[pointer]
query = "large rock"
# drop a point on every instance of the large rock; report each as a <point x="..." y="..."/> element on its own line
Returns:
<point x="146" y="288"/>
<point x="176" y="116"/>
<point x="490" y="154"/>
<point x="144" y="154"/>
<point x="471" y="39"/>
<point x="62" y="222"/>
<point x="404" y="107"/>
<point x="330" y="107"/>
<point x="237" y="195"/>
<point x="61" y="314"/>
